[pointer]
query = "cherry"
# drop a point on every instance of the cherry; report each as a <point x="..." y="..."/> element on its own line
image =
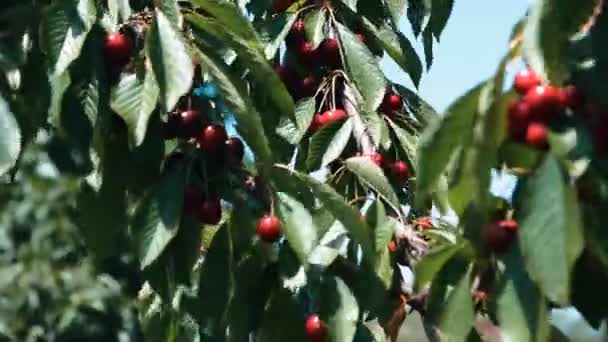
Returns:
<point x="117" y="48"/>
<point x="269" y="228"/>
<point x="571" y="97"/>
<point x="518" y="119"/>
<point x="210" y="211"/>
<point x="332" y="115"/>
<point x="536" y="135"/>
<point x="190" y="123"/>
<point x="297" y="33"/>
<point x="287" y="75"/>
<point x="498" y="236"/>
<point x="543" y="101"/>
<point x="308" y="86"/>
<point x="212" y="139"/>
<point x="193" y="198"/>
<point x="377" y="158"/>
<point x="391" y="103"/>
<point x="392" y="246"/>
<point x="307" y="52"/>
<point x="317" y="122"/>
<point x="279" y="6"/>
<point x="235" y="148"/>
<point x="526" y="80"/>
<point x="330" y="52"/>
<point x="399" y="170"/>
<point x="315" y="328"/>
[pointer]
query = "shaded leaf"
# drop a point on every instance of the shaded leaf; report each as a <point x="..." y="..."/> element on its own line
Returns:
<point x="328" y="144"/>
<point x="298" y="226"/>
<point x="294" y="132"/>
<point x="10" y="140"/>
<point x="315" y="21"/>
<point x="372" y="175"/>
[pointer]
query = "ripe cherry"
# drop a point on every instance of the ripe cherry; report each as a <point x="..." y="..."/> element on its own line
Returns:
<point x="317" y="122"/>
<point x="190" y="123"/>
<point x="498" y="236"/>
<point x="210" y="211"/>
<point x="297" y="33"/>
<point x="544" y="102"/>
<point x="308" y="86"/>
<point x="315" y="328"/>
<point x="526" y="80"/>
<point x="279" y="6"/>
<point x="333" y="115"/>
<point x="212" y="139"/>
<point x="193" y="198"/>
<point x="536" y="135"/>
<point x="118" y="48"/>
<point x="330" y="52"/>
<point x="392" y="246"/>
<point x="377" y="158"/>
<point x="399" y="170"/>
<point x="518" y="119"/>
<point x="307" y="53"/>
<point x="269" y="228"/>
<point x="235" y="148"/>
<point x="391" y="103"/>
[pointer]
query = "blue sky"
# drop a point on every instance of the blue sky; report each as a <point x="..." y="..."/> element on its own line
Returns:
<point x="471" y="46"/>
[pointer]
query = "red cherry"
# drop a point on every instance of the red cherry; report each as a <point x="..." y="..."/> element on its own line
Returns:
<point x="235" y="148"/>
<point x="526" y="80"/>
<point x="571" y="97"/>
<point x="330" y="52"/>
<point x="193" y="198"/>
<point x="536" y="135"/>
<point x="190" y="123"/>
<point x="498" y="236"/>
<point x="518" y="119"/>
<point x="212" y="139"/>
<point x="544" y="102"/>
<point x="391" y="103"/>
<point x="210" y="211"/>
<point x="399" y="170"/>
<point x="297" y="33"/>
<point x="377" y="158"/>
<point x="307" y="52"/>
<point x="317" y="122"/>
<point x="308" y="86"/>
<point x="279" y="6"/>
<point x="269" y="228"/>
<point x="333" y="115"/>
<point x="118" y="48"/>
<point x="315" y="328"/>
<point x="392" y="246"/>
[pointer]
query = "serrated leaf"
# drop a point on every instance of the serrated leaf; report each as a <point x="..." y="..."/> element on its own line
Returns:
<point x="328" y="143"/>
<point x="408" y="143"/>
<point x="438" y="143"/>
<point x="293" y="132"/>
<point x="549" y="26"/>
<point x="549" y="216"/>
<point x="230" y="16"/>
<point x="427" y="43"/>
<point x="65" y="27"/>
<point x="249" y="119"/>
<point x="171" y="62"/>
<point x="298" y="226"/>
<point x="372" y="176"/>
<point x="171" y="10"/>
<point x="134" y="99"/>
<point x="279" y="29"/>
<point x="396" y="9"/>
<point x="315" y="21"/>
<point x="10" y="140"/>
<point x="440" y="13"/>
<point x="342" y="321"/>
<point x="157" y="217"/>
<point x="432" y="263"/>
<point x="422" y="110"/>
<point x="520" y="307"/>
<point x="363" y="68"/>
<point x="416" y="12"/>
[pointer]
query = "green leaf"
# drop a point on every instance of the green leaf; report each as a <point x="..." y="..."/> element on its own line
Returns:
<point x="549" y="216"/>
<point x="250" y="55"/>
<point x="65" y="26"/>
<point x="216" y="285"/>
<point x="344" y="213"/>
<point x="249" y="119"/>
<point x="549" y="26"/>
<point x="416" y="12"/>
<point x="170" y="60"/>
<point x="433" y="262"/>
<point x="372" y="176"/>
<point x="396" y="9"/>
<point x="134" y="99"/>
<point x="352" y="4"/>
<point x="408" y="142"/>
<point x="315" y="21"/>
<point x="298" y="226"/>
<point x="304" y="113"/>
<point x="423" y="111"/>
<point x="328" y="143"/>
<point x="10" y="141"/>
<point x="438" y="143"/>
<point x="344" y="310"/>
<point x="440" y="13"/>
<point x="279" y="29"/>
<point x="171" y="10"/>
<point x="520" y="307"/>
<point x="230" y="17"/>
<point x="427" y="42"/>
<point x="157" y="217"/>
<point x="363" y="68"/>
